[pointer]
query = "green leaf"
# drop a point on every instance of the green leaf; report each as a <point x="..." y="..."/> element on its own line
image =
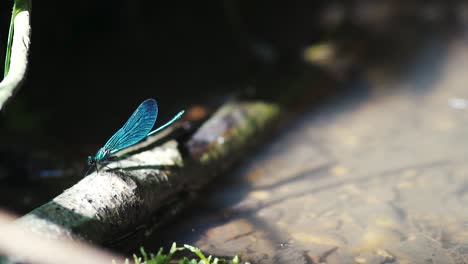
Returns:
<point x="198" y="252"/>
<point x="18" y="6"/>
<point x="174" y="249"/>
<point x="143" y="254"/>
<point x="136" y="259"/>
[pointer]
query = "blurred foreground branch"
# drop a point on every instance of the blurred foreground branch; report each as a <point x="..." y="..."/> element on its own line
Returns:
<point x="33" y="248"/>
<point x="16" y="60"/>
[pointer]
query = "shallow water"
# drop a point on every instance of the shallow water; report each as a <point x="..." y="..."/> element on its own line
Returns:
<point x="376" y="176"/>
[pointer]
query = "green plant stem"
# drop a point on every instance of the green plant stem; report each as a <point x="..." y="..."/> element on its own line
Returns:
<point x="18" y="6"/>
<point x="10" y="41"/>
<point x="17" y="50"/>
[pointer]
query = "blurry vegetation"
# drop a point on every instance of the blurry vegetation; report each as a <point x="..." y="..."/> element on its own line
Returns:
<point x="162" y="258"/>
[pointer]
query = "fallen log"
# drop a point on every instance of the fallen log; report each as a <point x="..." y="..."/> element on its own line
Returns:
<point x="132" y="195"/>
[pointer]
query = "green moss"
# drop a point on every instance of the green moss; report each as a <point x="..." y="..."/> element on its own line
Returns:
<point x="255" y="117"/>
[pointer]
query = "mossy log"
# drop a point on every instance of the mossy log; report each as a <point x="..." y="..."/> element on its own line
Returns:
<point x="134" y="194"/>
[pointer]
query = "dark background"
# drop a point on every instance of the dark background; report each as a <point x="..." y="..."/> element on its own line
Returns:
<point x="93" y="63"/>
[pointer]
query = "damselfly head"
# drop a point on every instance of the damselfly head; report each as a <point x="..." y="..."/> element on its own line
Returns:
<point x="91" y="160"/>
